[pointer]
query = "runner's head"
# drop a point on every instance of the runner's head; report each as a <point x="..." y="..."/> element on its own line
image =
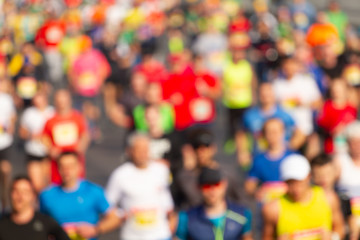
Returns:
<point x="352" y="133"/>
<point x="202" y="141"/>
<point x="295" y="171"/>
<point x="62" y="100"/>
<point x="23" y="195"/>
<point x="212" y="186"/>
<point x="323" y="171"/>
<point x="274" y="132"/>
<point x="40" y="100"/>
<point x="339" y="90"/>
<point x="153" y="120"/>
<point x="153" y="93"/>
<point x="138" y="149"/>
<point x="69" y="167"/>
<point x="266" y="94"/>
<point x="290" y="67"/>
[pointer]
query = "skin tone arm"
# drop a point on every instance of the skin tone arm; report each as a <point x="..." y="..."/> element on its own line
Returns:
<point x="83" y="142"/>
<point x="11" y="127"/>
<point x="254" y="85"/>
<point x="108" y="223"/>
<point x="297" y="140"/>
<point x="337" y="218"/>
<point x="354" y="229"/>
<point x="53" y="151"/>
<point x="247" y="236"/>
<point x="270" y="214"/>
<point x="244" y="156"/>
<point x="251" y="186"/>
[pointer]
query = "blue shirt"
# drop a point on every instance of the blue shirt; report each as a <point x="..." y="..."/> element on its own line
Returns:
<point x="266" y="169"/>
<point x="194" y="224"/>
<point x="254" y="120"/>
<point x="83" y="205"/>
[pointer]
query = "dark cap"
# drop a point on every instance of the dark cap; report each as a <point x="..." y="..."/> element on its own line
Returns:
<point x="209" y="176"/>
<point x="201" y="137"/>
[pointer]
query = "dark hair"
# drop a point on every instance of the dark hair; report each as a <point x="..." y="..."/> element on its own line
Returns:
<point x="68" y="153"/>
<point x="321" y="160"/>
<point x="25" y="178"/>
<point x="148" y="47"/>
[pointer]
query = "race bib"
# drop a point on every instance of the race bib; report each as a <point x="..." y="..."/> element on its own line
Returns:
<point x="311" y="234"/>
<point x="26" y="87"/>
<point x="145" y="218"/>
<point x="201" y="109"/>
<point x="86" y="79"/>
<point x="290" y="103"/>
<point x="355" y="206"/>
<point x="65" y="134"/>
<point x="70" y="230"/>
<point x="54" y="35"/>
<point x="273" y="190"/>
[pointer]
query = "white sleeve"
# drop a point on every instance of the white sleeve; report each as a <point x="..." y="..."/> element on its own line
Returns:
<point x="314" y="92"/>
<point x="166" y="197"/>
<point x="113" y="189"/>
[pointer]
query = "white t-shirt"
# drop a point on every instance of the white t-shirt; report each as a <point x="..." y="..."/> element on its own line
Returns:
<point x="34" y="120"/>
<point x="143" y="196"/>
<point x="303" y="89"/>
<point x="349" y="181"/>
<point x="7" y="111"/>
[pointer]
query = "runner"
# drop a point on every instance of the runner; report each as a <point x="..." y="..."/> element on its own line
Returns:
<point x="31" y="125"/>
<point x="25" y="222"/>
<point x="305" y="211"/>
<point x="65" y="131"/>
<point x="7" y="129"/>
<point x="82" y="202"/>
<point x="215" y="218"/>
<point x="140" y="189"/>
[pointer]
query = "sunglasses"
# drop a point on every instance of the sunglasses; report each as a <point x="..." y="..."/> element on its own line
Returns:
<point x="205" y="187"/>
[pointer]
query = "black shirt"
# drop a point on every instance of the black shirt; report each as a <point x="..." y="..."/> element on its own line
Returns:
<point x="41" y="227"/>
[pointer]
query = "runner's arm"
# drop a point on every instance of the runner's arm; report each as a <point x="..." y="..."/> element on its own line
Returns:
<point x="108" y="223"/>
<point x="270" y="214"/>
<point x="337" y="218"/>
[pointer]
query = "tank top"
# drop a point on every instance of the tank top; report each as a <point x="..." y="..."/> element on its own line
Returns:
<point x="305" y="221"/>
<point x="237" y="84"/>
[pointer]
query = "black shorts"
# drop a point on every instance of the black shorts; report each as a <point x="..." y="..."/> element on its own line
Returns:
<point x="5" y="154"/>
<point x="32" y="158"/>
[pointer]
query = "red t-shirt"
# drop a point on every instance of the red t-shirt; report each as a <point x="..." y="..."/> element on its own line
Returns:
<point x="331" y="117"/>
<point x="202" y="109"/>
<point x="182" y="85"/>
<point x="65" y="133"/>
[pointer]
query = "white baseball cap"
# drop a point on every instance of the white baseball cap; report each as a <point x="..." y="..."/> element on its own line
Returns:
<point x="294" y="167"/>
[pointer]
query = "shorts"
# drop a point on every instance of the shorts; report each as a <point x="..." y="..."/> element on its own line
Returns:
<point x="32" y="158"/>
<point x="5" y="154"/>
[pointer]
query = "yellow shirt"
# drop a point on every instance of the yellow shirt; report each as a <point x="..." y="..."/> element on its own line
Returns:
<point x="237" y="84"/>
<point x="305" y="221"/>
